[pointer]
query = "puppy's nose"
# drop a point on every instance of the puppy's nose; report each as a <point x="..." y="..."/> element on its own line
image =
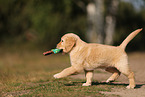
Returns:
<point x="57" y="46"/>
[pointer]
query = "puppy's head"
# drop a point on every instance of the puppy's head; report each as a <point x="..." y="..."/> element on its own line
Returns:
<point x="67" y="42"/>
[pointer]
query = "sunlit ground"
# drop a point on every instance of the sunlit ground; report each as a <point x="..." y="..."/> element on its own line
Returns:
<point x="29" y="73"/>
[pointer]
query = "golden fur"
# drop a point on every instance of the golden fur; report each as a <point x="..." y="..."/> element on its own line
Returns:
<point x="89" y="56"/>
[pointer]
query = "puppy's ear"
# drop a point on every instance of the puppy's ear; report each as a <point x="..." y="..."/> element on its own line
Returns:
<point x="70" y="42"/>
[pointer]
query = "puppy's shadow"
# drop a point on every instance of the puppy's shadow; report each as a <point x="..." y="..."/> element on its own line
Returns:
<point x="138" y="85"/>
<point x="112" y="83"/>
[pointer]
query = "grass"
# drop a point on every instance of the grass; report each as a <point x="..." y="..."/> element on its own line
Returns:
<point x="62" y="87"/>
<point x="26" y="73"/>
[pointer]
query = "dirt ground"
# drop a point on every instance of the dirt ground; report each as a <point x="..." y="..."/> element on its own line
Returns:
<point x="137" y="64"/>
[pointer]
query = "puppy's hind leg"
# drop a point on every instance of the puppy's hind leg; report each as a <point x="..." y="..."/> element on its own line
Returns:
<point x="114" y="76"/>
<point x="128" y="73"/>
<point x="89" y="76"/>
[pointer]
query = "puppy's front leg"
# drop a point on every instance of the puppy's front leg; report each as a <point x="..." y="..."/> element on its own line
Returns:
<point x="89" y="76"/>
<point x="65" y="72"/>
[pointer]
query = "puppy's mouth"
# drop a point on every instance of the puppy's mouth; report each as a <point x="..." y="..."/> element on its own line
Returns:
<point x="62" y="50"/>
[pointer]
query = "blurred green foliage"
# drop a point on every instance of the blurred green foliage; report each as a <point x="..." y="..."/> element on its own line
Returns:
<point x="41" y="23"/>
<point x="128" y="20"/>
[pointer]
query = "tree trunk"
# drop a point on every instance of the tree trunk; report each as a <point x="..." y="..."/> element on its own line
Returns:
<point x="100" y="20"/>
<point x="110" y="21"/>
<point x="91" y="17"/>
<point x="95" y="21"/>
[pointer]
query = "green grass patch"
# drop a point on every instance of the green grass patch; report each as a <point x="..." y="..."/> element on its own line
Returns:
<point x="60" y="87"/>
<point x="27" y="74"/>
<point x="54" y="87"/>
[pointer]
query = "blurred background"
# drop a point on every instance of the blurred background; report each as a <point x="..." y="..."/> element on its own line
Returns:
<point x="39" y="24"/>
<point x="30" y="27"/>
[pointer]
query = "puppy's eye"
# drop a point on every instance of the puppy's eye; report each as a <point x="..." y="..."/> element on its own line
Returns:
<point x="61" y="40"/>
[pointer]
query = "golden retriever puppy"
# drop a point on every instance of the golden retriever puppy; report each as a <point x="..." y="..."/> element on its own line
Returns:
<point x="89" y="56"/>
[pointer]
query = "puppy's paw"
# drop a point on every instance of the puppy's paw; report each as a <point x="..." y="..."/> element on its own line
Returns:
<point x="56" y="76"/>
<point x="109" y="81"/>
<point x="130" y="87"/>
<point x="86" y="84"/>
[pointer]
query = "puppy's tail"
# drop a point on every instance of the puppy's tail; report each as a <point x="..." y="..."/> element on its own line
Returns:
<point x="129" y="38"/>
